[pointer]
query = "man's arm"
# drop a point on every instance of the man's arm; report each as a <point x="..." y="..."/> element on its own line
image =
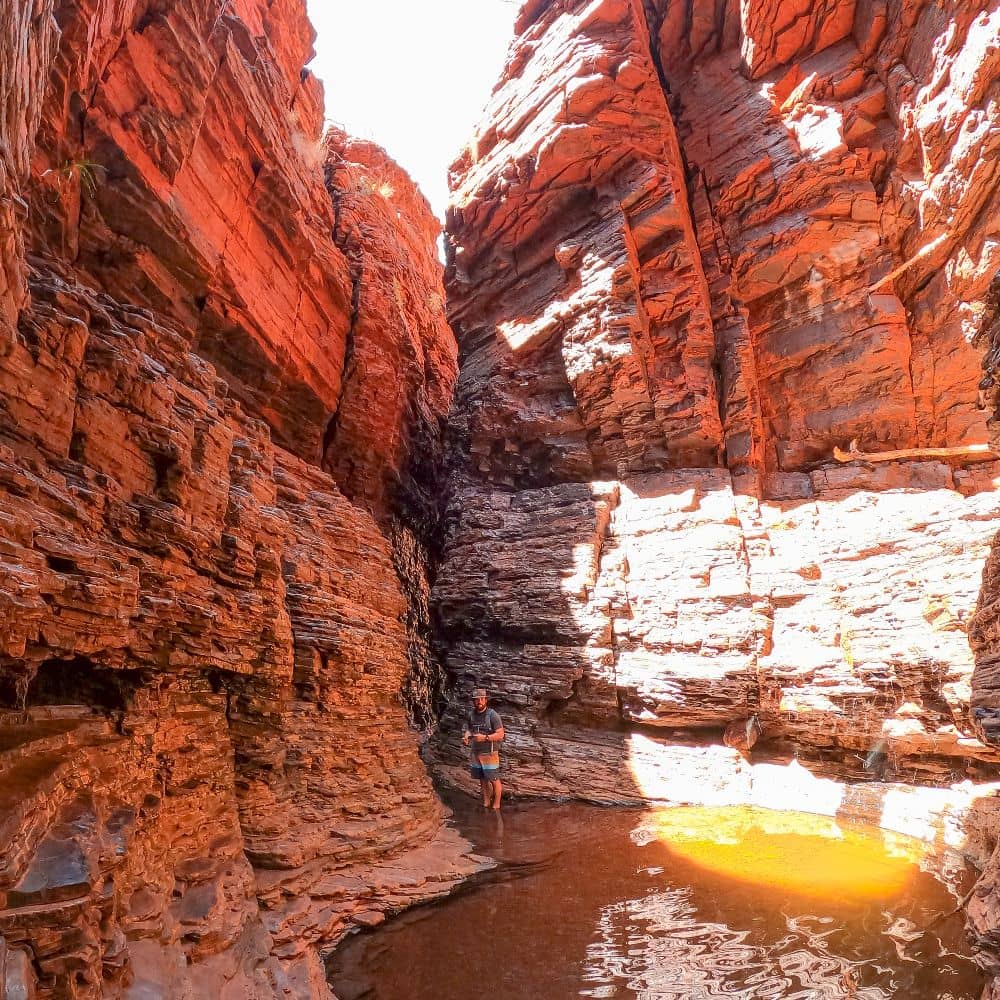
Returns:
<point x="495" y="737"/>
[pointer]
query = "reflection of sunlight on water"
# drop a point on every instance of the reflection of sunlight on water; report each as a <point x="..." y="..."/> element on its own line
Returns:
<point x="717" y="776"/>
<point x="673" y="905"/>
<point x="658" y="947"/>
<point x="781" y="850"/>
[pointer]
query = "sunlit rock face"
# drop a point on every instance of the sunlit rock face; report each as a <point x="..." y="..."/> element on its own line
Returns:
<point x="693" y="249"/>
<point x="213" y="514"/>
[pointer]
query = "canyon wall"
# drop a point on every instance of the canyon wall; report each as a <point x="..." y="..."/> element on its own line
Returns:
<point x="695" y="246"/>
<point x="224" y="374"/>
<point x="696" y="249"/>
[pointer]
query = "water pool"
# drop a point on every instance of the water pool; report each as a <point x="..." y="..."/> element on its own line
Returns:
<point x="679" y="904"/>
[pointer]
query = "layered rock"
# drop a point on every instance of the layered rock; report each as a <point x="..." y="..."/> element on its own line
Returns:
<point x="694" y="249"/>
<point x="179" y="168"/>
<point x="838" y="174"/>
<point x="213" y="636"/>
<point x="22" y="83"/>
<point x="838" y="617"/>
<point x="384" y="442"/>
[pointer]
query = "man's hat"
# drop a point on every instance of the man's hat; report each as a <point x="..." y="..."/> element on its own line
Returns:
<point x="479" y="693"/>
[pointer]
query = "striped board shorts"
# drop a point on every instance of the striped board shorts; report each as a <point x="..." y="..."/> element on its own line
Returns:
<point x="485" y="767"/>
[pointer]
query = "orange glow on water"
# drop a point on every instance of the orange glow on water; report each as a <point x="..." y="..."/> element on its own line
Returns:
<point x="681" y="904"/>
<point x="800" y="853"/>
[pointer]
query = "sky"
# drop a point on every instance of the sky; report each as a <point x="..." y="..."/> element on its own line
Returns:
<point x="414" y="75"/>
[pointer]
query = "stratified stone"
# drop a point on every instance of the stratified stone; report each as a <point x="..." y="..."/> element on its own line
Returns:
<point x="695" y="247"/>
<point x="402" y="358"/>
<point x="23" y="69"/>
<point x="831" y="600"/>
<point x="189" y="180"/>
<point x="840" y="620"/>
<point x="207" y="648"/>
<point x="165" y="565"/>
<point x="576" y="286"/>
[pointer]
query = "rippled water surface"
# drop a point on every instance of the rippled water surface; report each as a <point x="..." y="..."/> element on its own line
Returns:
<point x="681" y="904"/>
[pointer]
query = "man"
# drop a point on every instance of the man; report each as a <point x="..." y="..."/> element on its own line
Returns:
<point x="484" y="732"/>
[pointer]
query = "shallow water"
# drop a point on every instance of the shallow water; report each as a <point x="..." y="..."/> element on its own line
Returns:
<point x="680" y="904"/>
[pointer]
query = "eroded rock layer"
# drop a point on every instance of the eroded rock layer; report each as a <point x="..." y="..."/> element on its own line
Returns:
<point x="690" y="257"/>
<point x="214" y="513"/>
<point x="695" y="247"/>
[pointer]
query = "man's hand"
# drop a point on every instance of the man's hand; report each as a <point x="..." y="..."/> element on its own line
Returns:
<point x="480" y="738"/>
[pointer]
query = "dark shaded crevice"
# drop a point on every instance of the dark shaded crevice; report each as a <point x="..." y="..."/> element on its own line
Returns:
<point x="347" y="373"/>
<point x="726" y="354"/>
<point x="988" y="341"/>
<point x="222" y="682"/>
<point x="408" y="509"/>
<point x="719" y="380"/>
<point x="75" y="680"/>
<point x="654" y="19"/>
<point x="78" y="681"/>
<point x="355" y="260"/>
<point x="417" y="536"/>
<point x="168" y="474"/>
<point x="424" y="688"/>
<point x="60" y="564"/>
<point x="555" y="707"/>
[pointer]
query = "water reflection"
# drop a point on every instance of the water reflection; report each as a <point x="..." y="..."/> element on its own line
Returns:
<point x="782" y="850"/>
<point x="670" y="906"/>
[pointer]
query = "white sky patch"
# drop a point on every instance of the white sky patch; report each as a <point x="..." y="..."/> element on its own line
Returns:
<point x="413" y="75"/>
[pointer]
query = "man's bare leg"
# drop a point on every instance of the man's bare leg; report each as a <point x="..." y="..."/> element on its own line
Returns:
<point x="497" y="792"/>
<point x="487" y="791"/>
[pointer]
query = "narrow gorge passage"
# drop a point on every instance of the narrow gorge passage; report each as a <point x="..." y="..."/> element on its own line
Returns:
<point x="687" y="453"/>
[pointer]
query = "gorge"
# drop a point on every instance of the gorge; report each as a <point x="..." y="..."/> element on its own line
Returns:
<point x="277" y="490"/>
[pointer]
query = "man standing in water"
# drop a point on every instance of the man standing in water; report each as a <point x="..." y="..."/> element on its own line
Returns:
<point x="484" y="732"/>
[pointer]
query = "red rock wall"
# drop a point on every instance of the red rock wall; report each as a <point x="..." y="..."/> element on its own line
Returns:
<point x="695" y="247"/>
<point x="166" y="178"/>
<point x="822" y="174"/>
<point x="576" y="183"/>
<point x="22" y="84"/>
<point x="213" y="516"/>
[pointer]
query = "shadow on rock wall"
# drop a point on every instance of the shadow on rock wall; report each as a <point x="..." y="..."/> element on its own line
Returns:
<point x="606" y="286"/>
<point x="623" y="626"/>
<point x="516" y="599"/>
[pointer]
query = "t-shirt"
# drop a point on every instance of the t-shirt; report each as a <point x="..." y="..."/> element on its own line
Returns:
<point x="484" y="722"/>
